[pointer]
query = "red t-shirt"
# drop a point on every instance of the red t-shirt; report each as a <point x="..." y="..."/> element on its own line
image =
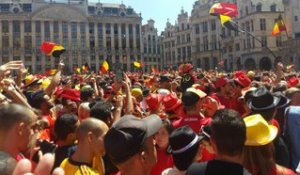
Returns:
<point x="230" y="103"/>
<point x="164" y="161"/>
<point x="193" y="121"/>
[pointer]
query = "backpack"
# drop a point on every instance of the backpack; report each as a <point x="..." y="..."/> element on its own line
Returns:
<point x="201" y="169"/>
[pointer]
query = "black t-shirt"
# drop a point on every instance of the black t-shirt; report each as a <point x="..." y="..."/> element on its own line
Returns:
<point x="63" y="152"/>
<point x="217" y="167"/>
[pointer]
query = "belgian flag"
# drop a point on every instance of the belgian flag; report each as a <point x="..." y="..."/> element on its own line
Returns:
<point x="104" y="67"/>
<point x="137" y="64"/>
<point x="85" y="68"/>
<point x="279" y="26"/>
<point x="52" y="49"/>
<point x="227" y="9"/>
<point x="51" y="72"/>
<point x="228" y="23"/>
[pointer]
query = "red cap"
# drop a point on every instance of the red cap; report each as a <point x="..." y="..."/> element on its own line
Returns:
<point x="293" y="81"/>
<point x="171" y="102"/>
<point x="71" y="94"/>
<point x="239" y="73"/>
<point x="243" y="80"/>
<point x="153" y="101"/>
<point x="185" y="68"/>
<point x="221" y="82"/>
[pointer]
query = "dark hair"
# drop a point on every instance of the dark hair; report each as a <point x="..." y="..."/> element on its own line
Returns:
<point x="65" y="125"/>
<point x="11" y="114"/>
<point x="268" y="114"/>
<point x="168" y="125"/>
<point x="37" y="98"/>
<point x="85" y="94"/>
<point x="228" y="130"/>
<point x="101" y="110"/>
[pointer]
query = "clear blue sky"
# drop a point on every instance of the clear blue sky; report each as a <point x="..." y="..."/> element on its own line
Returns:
<point x="158" y="10"/>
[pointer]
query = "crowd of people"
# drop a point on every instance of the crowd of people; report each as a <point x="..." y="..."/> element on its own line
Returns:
<point x="174" y="122"/>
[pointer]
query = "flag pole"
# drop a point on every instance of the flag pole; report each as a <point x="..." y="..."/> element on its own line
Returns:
<point x="250" y="34"/>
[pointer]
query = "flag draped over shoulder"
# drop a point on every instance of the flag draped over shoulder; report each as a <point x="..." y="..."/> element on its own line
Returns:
<point x="52" y="49"/>
<point x="279" y="26"/>
<point x="104" y="67"/>
<point x="137" y="64"/>
<point x="227" y="9"/>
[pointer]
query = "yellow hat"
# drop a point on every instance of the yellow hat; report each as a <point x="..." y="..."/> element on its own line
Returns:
<point x="136" y="92"/>
<point x="30" y="79"/>
<point x="258" y="131"/>
<point x="251" y="73"/>
<point x="45" y="83"/>
<point x="198" y="92"/>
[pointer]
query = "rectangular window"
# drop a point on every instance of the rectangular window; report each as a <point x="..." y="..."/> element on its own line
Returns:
<point x="37" y="27"/>
<point x="197" y="29"/>
<point x="16" y="26"/>
<point x="262" y="24"/>
<point x="47" y="27"/>
<point x="27" y="26"/>
<point x="204" y="27"/>
<point x="91" y="28"/>
<point x="55" y="27"/>
<point x="237" y="47"/>
<point x="264" y="42"/>
<point x="278" y="41"/>
<point x="65" y="27"/>
<point x="107" y="29"/>
<point x="82" y="28"/>
<point x="213" y="25"/>
<point x="5" y="27"/>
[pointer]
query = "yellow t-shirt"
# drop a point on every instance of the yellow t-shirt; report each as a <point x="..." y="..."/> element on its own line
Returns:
<point x="76" y="168"/>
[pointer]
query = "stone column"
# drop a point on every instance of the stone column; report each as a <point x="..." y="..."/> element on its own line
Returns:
<point x="79" y="60"/>
<point x="112" y="44"/>
<point x="22" y="56"/>
<point x="120" y="43"/>
<point x="33" y="55"/>
<point x="87" y="36"/>
<point x="10" y="35"/>
<point x="52" y="39"/>
<point x="70" y="54"/>
<point x="43" y="59"/>
<point x="96" y="47"/>
<point x="134" y="42"/>
<point x="128" y="47"/>
<point x="104" y="40"/>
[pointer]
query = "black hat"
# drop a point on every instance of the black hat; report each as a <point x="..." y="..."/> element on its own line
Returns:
<point x="127" y="136"/>
<point x="184" y="145"/>
<point x="283" y="102"/>
<point x="262" y="99"/>
<point x="165" y="78"/>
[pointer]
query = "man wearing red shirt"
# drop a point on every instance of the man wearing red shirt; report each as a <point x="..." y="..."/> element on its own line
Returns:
<point x="191" y="115"/>
<point x="225" y="94"/>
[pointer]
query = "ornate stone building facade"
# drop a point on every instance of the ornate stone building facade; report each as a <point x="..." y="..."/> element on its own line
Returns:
<point x="151" y="50"/>
<point x="291" y="19"/>
<point x="91" y="32"/>
<point x="177" y="41"/>
<point x="206" y="36"/>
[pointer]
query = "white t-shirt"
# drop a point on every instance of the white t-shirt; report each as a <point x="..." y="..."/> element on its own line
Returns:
<point x="173" y="171"/>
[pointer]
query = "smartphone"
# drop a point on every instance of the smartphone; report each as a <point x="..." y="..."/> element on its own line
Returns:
<point x="119" y="72"/>
<point x="119" y="75"/>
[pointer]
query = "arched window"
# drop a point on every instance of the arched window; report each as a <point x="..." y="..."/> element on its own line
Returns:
<point x="259" y="7"/>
